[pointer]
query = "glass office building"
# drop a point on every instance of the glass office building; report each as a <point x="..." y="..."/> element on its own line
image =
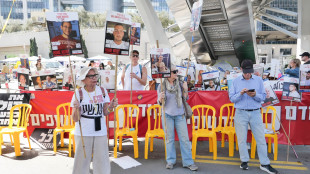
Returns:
<point x="130" y="7"/>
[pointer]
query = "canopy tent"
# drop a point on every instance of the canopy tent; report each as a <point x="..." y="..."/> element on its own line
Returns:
<point x="14" y="59"/>
<point x="66" y="58"/>
<point x="99" y="57"/>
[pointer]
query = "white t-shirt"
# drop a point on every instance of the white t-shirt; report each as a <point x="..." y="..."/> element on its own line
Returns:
<point x="294" y="94"/>
<point x="112" y="44"/>
<point x="88" y="109"/>
<point x="136" y="85"/>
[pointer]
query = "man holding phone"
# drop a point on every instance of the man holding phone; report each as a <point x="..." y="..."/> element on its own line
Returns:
<point x="247" y="93"/>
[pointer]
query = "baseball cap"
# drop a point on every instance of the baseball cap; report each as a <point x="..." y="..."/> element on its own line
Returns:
<point x="247" y="66"/>
<point x="305" y="54"/>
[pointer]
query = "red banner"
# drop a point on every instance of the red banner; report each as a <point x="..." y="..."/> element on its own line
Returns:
<point x="44" y="104"/>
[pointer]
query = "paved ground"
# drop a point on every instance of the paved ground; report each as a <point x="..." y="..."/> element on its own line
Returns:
<point x="38" y="161"/>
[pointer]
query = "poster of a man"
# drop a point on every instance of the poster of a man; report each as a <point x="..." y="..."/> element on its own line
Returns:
<point x="196" y="15"/>
<point x="271" y="97"/>
<point x="117" y="36"/>
<point x="135" y="34"/>
<point x="211" y="80"/>
<point x="160" y="62"/>
<point x="50" y="82"/>
<point x="304" y="78"/>
<point x="64" y="33"/>
<point x="290" y="89"/>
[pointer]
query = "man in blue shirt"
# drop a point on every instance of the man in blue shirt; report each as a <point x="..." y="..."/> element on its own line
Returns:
<point x="247" y="93"/>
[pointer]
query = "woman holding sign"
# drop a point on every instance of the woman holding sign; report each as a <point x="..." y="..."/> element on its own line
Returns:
<point x="90" y="105"/>
<point x="174" y="113"/>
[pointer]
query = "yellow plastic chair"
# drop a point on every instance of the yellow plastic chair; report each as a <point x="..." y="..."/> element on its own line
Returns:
<point x="229" y="128"/>
<point x="128" y="128"/>
<point x="22" y="123"/>
<point x="203" y="130"/>
<point x="273" y="135"/>
<point x="157" y="130"/>
<point x="64" y="110"/>
<point x="9" y="135"/>
<point x="224" y="88"/>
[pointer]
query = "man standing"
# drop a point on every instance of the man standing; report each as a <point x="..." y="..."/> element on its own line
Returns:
<point x="247" y="93"/>
<point x="117" y="41"/>
<point x="5" y="70"/>
<point x="305" y="57"/>
<point x="138" y="74"/>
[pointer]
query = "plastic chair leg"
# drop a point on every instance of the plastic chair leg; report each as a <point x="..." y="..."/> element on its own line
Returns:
<point x="194" y="144"/>
<point x="210" y="144"/>
<point x="275" y="153"/>
<point x="269" y="145"/>
<point x="120" y="146"/>
<point x="1" y="141"/>
<point x="16" y="144"/>
<point x="62" y="139"/>
<point x="69" y="146"/>
<point x="253" y="147"/>
<point x="151" y="144"/>
<point x="54" y="142"/>
<point x="11" y="139"/>
<point x="146" y="147"/>
<point x="28" y="138"/>
<point x="115" y="147"/>
<point x="73" y="143"/>
<point x="214" y="142"/>
<point x="223" y="140"/>
<point x="231" y="144"/>
<point x="237" y="147"/>
<point x="135" y="145"/>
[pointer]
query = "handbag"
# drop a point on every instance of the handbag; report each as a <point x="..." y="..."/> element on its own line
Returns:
<point x="187" y="108"/>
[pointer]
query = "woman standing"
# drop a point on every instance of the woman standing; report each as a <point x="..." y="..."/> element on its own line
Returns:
<point x="293" y="70"/>
<point x="174" y="113"/>
<point x="90" y="109"/>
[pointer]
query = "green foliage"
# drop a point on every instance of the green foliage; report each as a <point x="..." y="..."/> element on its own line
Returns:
<point x="137" y="18"/>
<point x="33" y="47"/>
<point x="50" y="54"/>
<point x="84" y="48"/>
<point x="166" y="21"/>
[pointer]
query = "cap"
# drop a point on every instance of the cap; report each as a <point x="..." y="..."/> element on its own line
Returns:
<point x="305" y="54"/>
<point x="247" y="66"/>
<point x="308" y="71"/>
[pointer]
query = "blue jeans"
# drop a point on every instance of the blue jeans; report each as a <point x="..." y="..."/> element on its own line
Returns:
<point x="178" y="122"/>
<point x="6" y="77"/>
<point x="254" y="118"/>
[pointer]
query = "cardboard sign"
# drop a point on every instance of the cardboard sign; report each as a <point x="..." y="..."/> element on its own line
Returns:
<point x="160" y="62"/>
<point x="135" y="35"/>
<point x="196" y="15"/>
<point x="45" y="79"/>
<point x="107" y="79"/>
<point x="23" y="78"/>
<point x="290" y="89"/>
<point x="211" y="81"/>
<point x="304" y="78"/>
<point x="271" y="97"/>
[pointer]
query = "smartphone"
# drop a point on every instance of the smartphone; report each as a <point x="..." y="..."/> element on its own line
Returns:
<point x="251" y="90"/>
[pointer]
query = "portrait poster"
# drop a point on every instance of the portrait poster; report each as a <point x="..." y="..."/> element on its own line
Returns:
<point x="200" y="68"/>
<point x="271" y="97"/>
<point x="181" y="71"/>
<point x="304" y="78"/>
<point x="44" y="80"/>
<point x="23" y="78"/>
<point x="24" y="63"/>
<point x="64" y="32"/>
<point x="258" y="70"/>
<point x="67" y="82"/>
<point x="290" y="89"/>
<point x="117" y="33"/>
<point x="275" y="68"/>
<point x="196" y="15"/>
<point x="211" y="81"/>
<point x="160" y="62"/>
<point x="231" y="77"/>
<point x="107" y="79"/>
<point x="135" y="34"/>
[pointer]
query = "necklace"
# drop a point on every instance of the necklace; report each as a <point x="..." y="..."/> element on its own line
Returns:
<point x="93" y="102"/>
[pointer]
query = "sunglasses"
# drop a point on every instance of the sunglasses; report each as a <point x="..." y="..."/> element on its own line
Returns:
<point x="175" y="71"/>
<point x="93" y="76"/>
<point x="135" y="55"/>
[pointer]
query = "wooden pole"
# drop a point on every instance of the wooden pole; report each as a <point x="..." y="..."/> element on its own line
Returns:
<point x="131" y="78"/>
<point x="289" y="133"/>
<point x="190" y="53"/>
<point x="78" y="111"/>
<point x="115" y="93"/>
<point x="163" y="106"/>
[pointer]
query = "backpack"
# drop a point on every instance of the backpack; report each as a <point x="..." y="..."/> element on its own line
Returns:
<point x="140" y="66"/>
<point x="81" y="93"/>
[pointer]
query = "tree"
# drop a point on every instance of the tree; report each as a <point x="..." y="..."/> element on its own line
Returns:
<point x="33" y="47"/>
<point x="166" y="21"/>
<point x="50" y="54"/>
<point x="135" y="17"/>
<point x="84" y="48"/>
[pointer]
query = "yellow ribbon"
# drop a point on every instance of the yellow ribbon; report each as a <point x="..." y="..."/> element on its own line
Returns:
<point x="7" y="20"/>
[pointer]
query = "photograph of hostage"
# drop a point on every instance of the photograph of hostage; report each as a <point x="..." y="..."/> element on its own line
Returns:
<point x="293" y="91"/>
<point x="48" y="83"/>
<point x="23" y="80"/>
<point x="161" y="66"/>
<point x="118" y="35"/>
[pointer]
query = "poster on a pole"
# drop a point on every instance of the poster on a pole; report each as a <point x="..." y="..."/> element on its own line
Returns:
<point x="44" y="80"/>
<point x="271" y="97"/>
<point x="196" y="15"/>
<point x="211" y="81"/>
<point x="24" y="63"/>
<point x="258" y="70"/>
<point x="23" y="78"/>
<point x="117" y="33"/>
<point x="135" y="35"/>
<point x="64" y="32"/>
<point x="231" y="77"/>
<point x="290" y="89"/>
<point x="304" y="78"/>
<point x="181" y="71"/>
<point x="160" y="62"/>
<point x="200" y="68"/>
<point x="275" y="68"/>
<point x="107" y="79"/>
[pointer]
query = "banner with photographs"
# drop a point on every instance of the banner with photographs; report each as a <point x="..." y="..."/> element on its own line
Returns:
<point x="304" y="78"/>
<point x="160" y="62"/>
<point x="8" y="101"/>
<point x="23" y="78"/>
<point x="64" y="32"/>
<point x="231" y="77"/>
<point x="196" y="15"/>
<point x="24" y="63"/>
<point x="271" y="97"/>
<point x="117" y="33"/>
<point x="45" y="80"/>
<point x="107" y="79"/>
<point x="135" y="35"/>
<point x="181" y="71"/>
<point x="211" y="81"/>
<point x="200" y="68"/>
<point x="290" y="89"/>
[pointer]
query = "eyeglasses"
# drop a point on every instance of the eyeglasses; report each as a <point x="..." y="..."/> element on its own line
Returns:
<point x="135" y="55"/>
<point x="175" y="71"/>
<point x="93" y="76"/>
